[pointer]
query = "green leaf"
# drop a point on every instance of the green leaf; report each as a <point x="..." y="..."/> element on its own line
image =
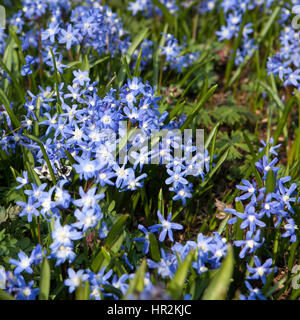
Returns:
<point x="136" y="72"/>
<point x="165" y="11"/>
<point x="45" y="280"/>
<point x="19" y="44"/>
<point x="273" y="94"/>
<point x="211" y="135"/>
<point x="176" y="110"/>
<point x="283" y="120"/>
<point x="102" y="259"/>
<point x="276" y="286"/>
<point x="92" y="65"/>
<point x="112" y="289"/>
<point x="135" y="43"/>
<point x="56" y="82"/>
<point x="5" y="296"/>
<point x="218" y="287"/>
<point x="2" y="17"/>
<point x="115" y="231"/>
<point x="215" y="169"/>
<point x="270" y="182"/>
<point x="223" y="224"/>
<point x="85" y="65"/>
<point x="15" y="81"/>
<point x="154" y="249"/>
<point x="6" y="104"/>
<point x="83" y="291"/>
<point x="199" y="106"/>
<point x="156" y="57"/>
<point x="176" y="285"/>
<point x="138" y="282"/>
<point x="252" y="163"/>
<point x="196" y="66"/>
<point x="160" y="202"/>
<point x="269" y="24"/>
<point x="116" y="246"/>
<point x="293" y="249"/>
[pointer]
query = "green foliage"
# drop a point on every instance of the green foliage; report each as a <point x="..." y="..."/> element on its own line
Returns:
<point x="234" y="143"/>
<point x="218" y="287"/>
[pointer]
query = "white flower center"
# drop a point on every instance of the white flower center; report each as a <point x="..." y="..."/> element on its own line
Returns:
<point x="89" y="168"/>
<point x="166" y="224"/>
<point x="285" y="198"/>
<point x="62" y="235"/>
<point x="261" y="271"/>
<point x="25" y="263"/>
<point x="250" y="243"/>
<point x="251" y="218"/>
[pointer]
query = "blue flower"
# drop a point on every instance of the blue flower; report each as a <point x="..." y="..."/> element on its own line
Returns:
<point x="166" y="226"/>
<point x="25" y="291"/>
<point x="87" y="168"/>
<point x="29" y="208"/>
<point x="132" y="183"/>
<point x="101" y="278"/>
<point x="23" y="264"/>
<point x="81" y="77"/>
<point x="62" y="253"/>
<point x="26" y="70"/>
<point x="87" y="219"/>
<point x="176" y="177"/>
<point x="103" y="232"/>
<point x="23" y="181"/>
<point x="250" y="190"/>
<point x="50" y="33"/>
<point x="68" y="36"/>
<point x="37" y="254"/>
<point x="144" y="239"/>
<point x="250" y="244"/>
<point x="250" y="217"/>
<point x="75" y="278"/>
<point x="272" y="148"/>
<point x="254" y="294"/>
<point x="199" y="266"/>
<point x="121" y="283"/>
<point x="122" y="174"/>
<point x="167" y="267"/>
<point x="290" y="228"/>
<point x="89" y="199"/>
<point x="260" y="270"/>
<point x="264" y="166"/>
<point x="183" y="192"/>
<point x="283" y="195"/>
<point x="63" y="235"/>
<point x="227" y="32"/>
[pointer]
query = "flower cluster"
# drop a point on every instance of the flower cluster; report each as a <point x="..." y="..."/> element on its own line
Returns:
<point x="173" y="54"/>
<point x="234" y="12"/>
<point x="146" y="7"/>
<point x="208" y="251"/>
<point x="208" y="254"/>
<point x="285" y="64"/>
<point x="14" y="283"/>
<point x="266" y="205"/>
<point x="171" y="51"/>
<point x="86" y="131"/>
<point x="90" y="26"/>
<point x="80" y="140"/>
